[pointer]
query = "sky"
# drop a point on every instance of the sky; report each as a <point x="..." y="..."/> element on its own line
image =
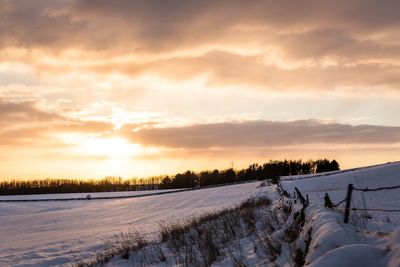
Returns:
<point x="138" y="88"/>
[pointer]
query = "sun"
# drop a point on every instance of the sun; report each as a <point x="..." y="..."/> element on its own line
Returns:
<point x="112" y="147"/>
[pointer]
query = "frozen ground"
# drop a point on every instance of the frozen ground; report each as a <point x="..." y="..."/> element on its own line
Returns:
<point x="83" y="195"/>
<point x="320" y="239"/>
<point x="372" y="238"/>
<point x="49" y="233"/>
<point x="336" y="186"/>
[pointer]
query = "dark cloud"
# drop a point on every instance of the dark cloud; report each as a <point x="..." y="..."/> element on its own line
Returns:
<point x="337" y="45"/>
<point x="24" y="111"/>
<point x="146" y="25"/>
<point x="263" y="134"/>
<point x="173" y="22"/>
<point x="35" y="24"/>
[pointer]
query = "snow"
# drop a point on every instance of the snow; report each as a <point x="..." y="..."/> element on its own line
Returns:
<point x="372" y="238"/>
<point x="50" y="233"/>
<point x="334" y="243"/>
<point x="369" y="240"/>
<point x="243" y="248"/>
<point x="336" y="186"/>
<point x="83" y="195"/>
<point x="352" y="255"/>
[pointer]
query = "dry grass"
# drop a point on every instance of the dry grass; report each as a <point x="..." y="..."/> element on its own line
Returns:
<point x="203" y="240"/>
<point x="121" y="244"/>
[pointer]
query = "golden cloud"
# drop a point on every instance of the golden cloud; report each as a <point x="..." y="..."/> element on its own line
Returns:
<point x="24" y="124"/>
<point x="326" y="44"/>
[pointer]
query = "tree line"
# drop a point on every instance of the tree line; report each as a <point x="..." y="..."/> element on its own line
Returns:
<point x="271" y="170"/>
<point x="267" y="171"/>
<point x="59" y="186"/>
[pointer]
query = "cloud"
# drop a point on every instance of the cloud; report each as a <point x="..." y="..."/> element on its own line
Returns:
<point x="357" y="39"/>
<point x="23" y="111"/>
<point x="70" y="66"/>
<point x="263" y="134"/>
<point x="23" y="123"/>
<point x="223" y="68"/>
<point x="145" y="24"/>
<point x="336" y="44"/>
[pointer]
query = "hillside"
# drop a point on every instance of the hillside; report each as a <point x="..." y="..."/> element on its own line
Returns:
<point x="51" y="233"/>
<point x="372" y="236"/>
<point x="273" y="229"/>
<point x="287" y="233"/>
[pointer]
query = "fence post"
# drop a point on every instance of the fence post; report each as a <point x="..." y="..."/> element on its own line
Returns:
<point x="300" y="196"/>
<point x="328" y="202"/>
<point x="348" y="201"/>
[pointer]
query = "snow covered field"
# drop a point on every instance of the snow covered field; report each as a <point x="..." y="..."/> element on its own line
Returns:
<point x="318" y="238"/>
<point x="372" y="238"/>
<point x="371" y="177"/>
<point x="84" y="195"/>
<point x="49" y="233"/>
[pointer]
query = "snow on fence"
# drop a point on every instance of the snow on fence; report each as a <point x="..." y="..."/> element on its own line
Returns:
<point x="297" y="194"/>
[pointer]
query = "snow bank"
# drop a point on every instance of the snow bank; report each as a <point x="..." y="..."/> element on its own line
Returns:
<point x="372" y="177"/>
<point x="327" y="232"/>
<point x="334" y="243"/>
<point x="352" y="255"/>
<point x="371" y="239"/>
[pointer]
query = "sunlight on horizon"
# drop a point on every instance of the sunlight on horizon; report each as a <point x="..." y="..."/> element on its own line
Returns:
<point x="110" y="147"/>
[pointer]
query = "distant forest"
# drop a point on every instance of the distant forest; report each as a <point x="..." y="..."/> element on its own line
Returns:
<point x="189" y="179"/>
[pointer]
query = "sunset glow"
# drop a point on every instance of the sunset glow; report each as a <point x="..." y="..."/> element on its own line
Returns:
<point x="109" y="147"/>
<point x="140" y="88"/>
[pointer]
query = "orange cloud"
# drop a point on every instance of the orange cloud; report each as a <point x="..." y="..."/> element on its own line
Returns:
<point x="24" y="124"/>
